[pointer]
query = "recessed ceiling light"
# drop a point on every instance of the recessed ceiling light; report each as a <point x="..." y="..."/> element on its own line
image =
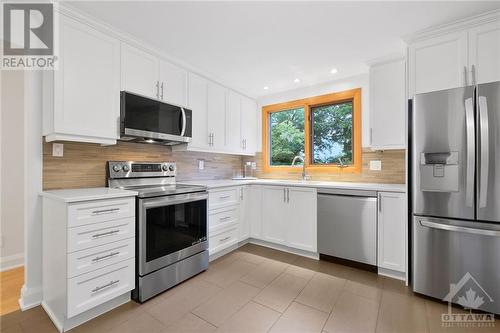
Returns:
<point x="334" y="71"/>
<point x="296" y="80"/>
<point x="266" y="88"/>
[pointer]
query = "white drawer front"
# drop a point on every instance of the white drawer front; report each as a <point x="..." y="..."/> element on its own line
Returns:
<point x="221" y="198"/>
<point x="97" y="234"/>
<point x="222" y="240"/>
<point x="100" y="211"/>
<point x="88" y="260"/>
<point x="89" y="290"/>
<point x="223" y="218"/>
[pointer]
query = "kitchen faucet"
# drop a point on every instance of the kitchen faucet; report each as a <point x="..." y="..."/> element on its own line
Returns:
<point x="304" y="174"/>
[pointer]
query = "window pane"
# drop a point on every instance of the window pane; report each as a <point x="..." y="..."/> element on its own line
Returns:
<point x="332" y="134"/>
<point x="287" y="135"/>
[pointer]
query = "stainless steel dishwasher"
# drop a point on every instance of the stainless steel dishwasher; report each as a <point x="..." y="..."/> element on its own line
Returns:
<point x="347" y="225"/>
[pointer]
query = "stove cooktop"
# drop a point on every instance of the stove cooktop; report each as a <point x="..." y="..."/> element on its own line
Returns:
<point x="146" y="191"/>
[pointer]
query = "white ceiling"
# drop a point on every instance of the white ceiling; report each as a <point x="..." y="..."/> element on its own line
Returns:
<point x="249" y="45"/>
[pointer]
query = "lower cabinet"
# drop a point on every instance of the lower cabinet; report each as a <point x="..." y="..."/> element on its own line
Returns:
<point x="392" y="227"/>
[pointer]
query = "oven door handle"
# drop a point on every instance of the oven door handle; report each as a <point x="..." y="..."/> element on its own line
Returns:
<point x="173" y="200"/>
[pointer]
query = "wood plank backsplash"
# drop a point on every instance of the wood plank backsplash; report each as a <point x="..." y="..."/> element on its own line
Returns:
<point x="84" y="164"/>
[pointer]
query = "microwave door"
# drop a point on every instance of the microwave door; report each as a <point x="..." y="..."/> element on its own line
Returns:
<point x="488" y="155"/>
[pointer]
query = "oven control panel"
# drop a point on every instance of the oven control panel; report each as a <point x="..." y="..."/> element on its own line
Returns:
<point x="130" y="169"/>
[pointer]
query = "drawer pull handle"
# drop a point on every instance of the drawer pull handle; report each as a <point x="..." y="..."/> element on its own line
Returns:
<point x="108" y="233"/>
<point x="111" y="283"/>
<point x="105" y="211"/>
<point x="224" y="197"/>
<point x="225" y="218"/>
<point x="224" y="239"/>
<point x="107" y="256"/>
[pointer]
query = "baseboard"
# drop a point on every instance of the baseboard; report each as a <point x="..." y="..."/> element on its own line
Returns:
<point x="392" y="274"/>
<point x="10" y="262"/>
<point x="312" y="255"/>
<point x="30" y="298"/>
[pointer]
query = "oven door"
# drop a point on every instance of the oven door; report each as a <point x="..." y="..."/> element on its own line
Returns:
<point x="170" y="229"/>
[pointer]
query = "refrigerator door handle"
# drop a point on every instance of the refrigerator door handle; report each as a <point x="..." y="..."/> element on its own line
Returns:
<point x="448" y="227"/>
<point x="485" y="151"/>
<point x="471" y="152"/>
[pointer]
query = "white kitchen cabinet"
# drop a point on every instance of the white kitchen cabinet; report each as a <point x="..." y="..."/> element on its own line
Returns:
<point x="197" y="102"/>
<point x="248" y="125"/>
<point x="438" y="63"/>
<point x="139" y="72"/>
<point x="484" y="52"/>
<point x="81" y="99"/>
<point x="173" y="84"/>
<point x="216" y="110"/>
<point x="388" y="104"/>
<point x="251" y="212"/>
<point x="233" y="122"/>
<point x="245" y="206"/>
<point x="274" y="224"/>
<point x="392" y="227"/>
<point x="301" y="211"/>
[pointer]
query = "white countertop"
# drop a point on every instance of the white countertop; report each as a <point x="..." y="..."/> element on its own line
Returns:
<point x="86" y="194"/>
<point x="212" y="184"/>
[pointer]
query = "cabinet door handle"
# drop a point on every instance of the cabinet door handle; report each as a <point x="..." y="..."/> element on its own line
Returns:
<point x="96" y="289"/>
<point x="287" y="195"/>
<point x="224" y="197"/>
<point x="224" y="239"/>
<point x="284" y="194"/>
<point x="466" y="81"/>
<point x="162" y="90"/>
<point x="379" y="198"/>
<point x="241" y="193"/>
<point x="158" y="89"/>
<point x="107" y="256"/>
<point x="108" y="233"/>
<point x="473" y="74"/>
<point x="225" y="218"/>
<point x="107" y="211"/>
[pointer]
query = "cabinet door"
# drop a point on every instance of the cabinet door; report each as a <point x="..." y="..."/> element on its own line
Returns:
<point x="173" y="84"/>
<point x="388" y="105"/>
<point x="249" y="125"/>
<point x="274" y="214"/>
<point x="300" y="224"/>
<point x="217" y="115"/>
<point x="484" y="52"/>
<point x="87" y="84"/>
<point x="139" y="72"/>
<point x="438" y="63"/>
<point x="252" y="214"/>
<point x="233" y="122"/>
<point x="197" y="102"/>
<point x="392" y="231"/>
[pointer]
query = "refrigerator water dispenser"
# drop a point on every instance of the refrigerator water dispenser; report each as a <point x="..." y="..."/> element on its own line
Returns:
<point x="439" y="172"/>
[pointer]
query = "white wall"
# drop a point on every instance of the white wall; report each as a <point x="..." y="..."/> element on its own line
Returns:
<point x="12" y="170"/>
<point x="358" y="81"/>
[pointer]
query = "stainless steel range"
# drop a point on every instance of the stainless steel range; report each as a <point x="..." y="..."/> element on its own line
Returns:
<point x="171" y="225"/>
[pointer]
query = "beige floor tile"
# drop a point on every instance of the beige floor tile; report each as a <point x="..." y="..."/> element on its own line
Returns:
<point x="333" y="269"/>
<point x="252" y="318"/>
<point x="352" y="313"/>
<point x="39" y="325"/>
<point x="397" y="286"/>
<point x="300" y="318"/>
<point x="143" y="323"/>
<point x="300" y="271"/>
<point x="309" y="263"/>
<point x="364" y="283"/>
<point x="321" y="292"/>
<point x="223" y="305"/>
<point x="272" y="253"/>
<point x="190" y="324"/>
<point x="229" y="273"/>
<point x="281" y="292"/>
<point x="264" y="273"/>
<point x="185" y="299"/>
<point x="13" y="319"/>
<point x="401" y="313"/>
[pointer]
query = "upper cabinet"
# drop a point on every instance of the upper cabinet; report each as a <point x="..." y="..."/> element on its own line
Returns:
<point x="216" y="107"/>
<point x="173" y="84"/>
<point x="388" y="104"/>
<point x="463" y="54"/>
<point x="241" y="124"/>
<point x="233" y="123"/>
<point x="81" y="99"/>
<point x="197" y="102"/>
<point x="248" y="125"/>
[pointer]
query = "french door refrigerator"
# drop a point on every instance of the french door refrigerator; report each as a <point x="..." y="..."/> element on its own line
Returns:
<point x="455" y="181"/>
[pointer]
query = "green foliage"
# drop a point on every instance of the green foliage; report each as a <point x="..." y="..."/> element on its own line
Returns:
<point x="287" y="136"/>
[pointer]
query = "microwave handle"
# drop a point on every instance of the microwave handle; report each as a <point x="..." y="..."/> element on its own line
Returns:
<point x="183" y="130"/>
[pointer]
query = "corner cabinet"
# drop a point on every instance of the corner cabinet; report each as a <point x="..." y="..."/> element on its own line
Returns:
<point x="392" y="231"/>
<point x="81" y="98"/>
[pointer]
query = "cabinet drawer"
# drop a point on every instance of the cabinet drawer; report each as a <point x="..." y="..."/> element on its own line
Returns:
<point x="222" y="198"/>
<point x="97" y="234"/>
<point x="100" y="211"/>
<point x="222" y="240"/>
<point x="92" y="289"/>
<point x="223" y="217"/>
<point x="88" y="260"/>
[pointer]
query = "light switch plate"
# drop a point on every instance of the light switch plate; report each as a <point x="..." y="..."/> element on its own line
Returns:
<point x="201" y="164"/>
<point x="57" y="149"/>
<point x="375" y="165"/>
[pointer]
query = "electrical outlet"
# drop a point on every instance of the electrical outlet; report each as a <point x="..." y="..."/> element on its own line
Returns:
<point x="57" y="150"/>
<point x="254" y="165"/>
<point x="201" y="164"/>
<point x="375" y="165"/>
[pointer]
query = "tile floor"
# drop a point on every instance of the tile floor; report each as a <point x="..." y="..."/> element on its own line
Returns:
<point x="256" y="289"/>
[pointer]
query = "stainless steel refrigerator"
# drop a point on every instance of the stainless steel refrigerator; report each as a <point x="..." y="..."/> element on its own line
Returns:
<point x="455" y="182"/>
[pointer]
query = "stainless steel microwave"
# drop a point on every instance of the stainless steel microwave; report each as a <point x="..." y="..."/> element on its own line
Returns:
<point x="147" y="120"/>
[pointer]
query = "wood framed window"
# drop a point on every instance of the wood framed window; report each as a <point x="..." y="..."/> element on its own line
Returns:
<point x="325" y="130"/>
